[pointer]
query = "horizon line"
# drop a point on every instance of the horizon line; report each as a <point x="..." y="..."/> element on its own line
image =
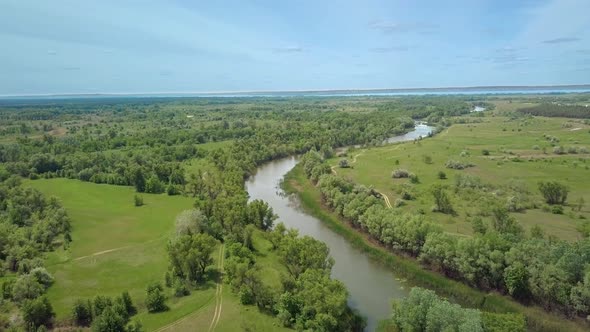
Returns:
<point x="221" y="92"/>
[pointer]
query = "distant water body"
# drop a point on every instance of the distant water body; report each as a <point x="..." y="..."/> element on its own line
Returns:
<point x="328" y="93"/>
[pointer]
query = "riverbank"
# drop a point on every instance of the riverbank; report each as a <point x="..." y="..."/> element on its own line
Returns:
<point x="295" y="182"/>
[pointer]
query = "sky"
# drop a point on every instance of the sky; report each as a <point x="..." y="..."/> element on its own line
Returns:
<point x="157" y="46"/>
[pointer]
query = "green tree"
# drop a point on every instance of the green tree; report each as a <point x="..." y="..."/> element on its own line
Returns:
<point x="38" y="312"/>
<point x="190" y="255"/>
<point x="82" y="312"/>
<point x="26" y="287"/>
<point x="155" y="300"/>
<point x="261" y="214"/>
<point x="109" y="321"/>
<point x="442" y="201"/>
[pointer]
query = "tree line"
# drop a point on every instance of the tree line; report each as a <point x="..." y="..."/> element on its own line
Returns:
<point x="531" y="268"/>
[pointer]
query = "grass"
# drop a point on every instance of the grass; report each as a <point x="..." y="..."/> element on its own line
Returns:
<point x="119" y="247"/>
<point x="511" y="158"/>
<point x="537" y="318"/>
<point x="104" y="218"/>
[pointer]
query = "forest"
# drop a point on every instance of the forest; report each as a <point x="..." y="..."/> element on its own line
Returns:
<point x="188" y="159"/>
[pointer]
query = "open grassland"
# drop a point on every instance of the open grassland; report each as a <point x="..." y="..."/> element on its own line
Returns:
<point x="517" y="153"/>
<point x="117" y="247"/>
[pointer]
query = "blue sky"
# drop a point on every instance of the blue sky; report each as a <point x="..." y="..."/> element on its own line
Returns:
<point x="124" y="46"/>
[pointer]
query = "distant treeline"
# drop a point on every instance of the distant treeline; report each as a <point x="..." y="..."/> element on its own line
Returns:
<point x="558" y="110"/>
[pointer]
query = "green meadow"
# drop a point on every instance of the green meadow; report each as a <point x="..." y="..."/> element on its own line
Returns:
<point x="517" y="152"/>
<point x="118" y="247"/>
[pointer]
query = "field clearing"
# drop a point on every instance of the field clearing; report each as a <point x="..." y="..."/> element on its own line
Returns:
<point x="117" y="247"/>
<point x="515" y="155"/>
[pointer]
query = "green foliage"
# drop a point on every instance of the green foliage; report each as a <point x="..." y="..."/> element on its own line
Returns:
<point x="138" y="200"/>
<point x="190" y="255"/>
<point x="441" y="175"/>
<point x="27" y="287"/>
<point x="155" y="300"/>
<point x="82" y="313"/>
<point x="553" y="192"/>
<point x="343" y="163"/>
<point x="423" y="310"/>
<point x="109" y="321"/>
<point x="38" y="312"/>
<point x="493" y="322"/>
<point x="400" y="173"/>
<point x="441" y="199"/>
<point x="453" y="164"/>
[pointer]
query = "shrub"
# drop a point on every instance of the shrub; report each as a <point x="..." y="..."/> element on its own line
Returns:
<point x="583" y="149"/>
<point x="441" y="200"/>
<point x="343" y="163"/>
<point x="399" y="202"/>
<point x="557" y="209"/>
<point x="414" y="178"/>
<point x="453" y="164"/>
<point x="536" y="147"/>
<point x="464" y="153"/>
<point x="180" y="288"/>
<point x="138" y="200"/>
<point x="442" y="175"/>
<point x="558" y="150"/>
<point x="553" y="192"/>
<point x="400" y="173"/>
<point x="485" y="152"/>
<point x="42" y="276"/>
<point x="427" y="159"/>
<point x="572" y="150"/>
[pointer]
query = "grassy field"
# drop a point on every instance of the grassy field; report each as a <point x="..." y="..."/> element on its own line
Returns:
<point x="537" y="318"/>
<point x="117" y="246"/>
<point x="515" y="156"/>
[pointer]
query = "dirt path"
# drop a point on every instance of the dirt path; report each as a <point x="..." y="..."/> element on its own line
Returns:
<point x="182" y="320"/>
<point x="218" y="292"/>
<point x="116" y="249"/>
<point x="386" y="199"/>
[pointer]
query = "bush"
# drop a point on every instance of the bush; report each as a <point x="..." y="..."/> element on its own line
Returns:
<point x="441" y="200"/>
<point x="453" y="164"/>
<point x="553" y="192"/>
<point x="465" y="153"/>
<point x="399" y="202"/>
<point x="400" y="173"/>
<point x="485" y="152"/>
<point x="442" y="175"/>
<point x="558" y="150"/>
<point x="343" y="163"/>
<point x="180" y="288"/>
<point x="42" y="276"/>
<point x="414" y="178"/>
<point x="557" y="209"/>
<point x="427" y="159"/>
<point x="138" y="200"/>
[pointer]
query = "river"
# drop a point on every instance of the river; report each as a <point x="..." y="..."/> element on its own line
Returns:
<point x="371" y="286"/>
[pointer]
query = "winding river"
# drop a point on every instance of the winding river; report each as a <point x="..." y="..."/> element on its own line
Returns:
<point x="371" y="286"/>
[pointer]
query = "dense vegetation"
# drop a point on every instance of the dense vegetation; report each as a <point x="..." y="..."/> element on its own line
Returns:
<point x="30" y="224"/>
<point x="423" y="310"/>
<point x="204" y="149"/>
<point x="501" y="257"/>
<point x="558" y="110"/>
